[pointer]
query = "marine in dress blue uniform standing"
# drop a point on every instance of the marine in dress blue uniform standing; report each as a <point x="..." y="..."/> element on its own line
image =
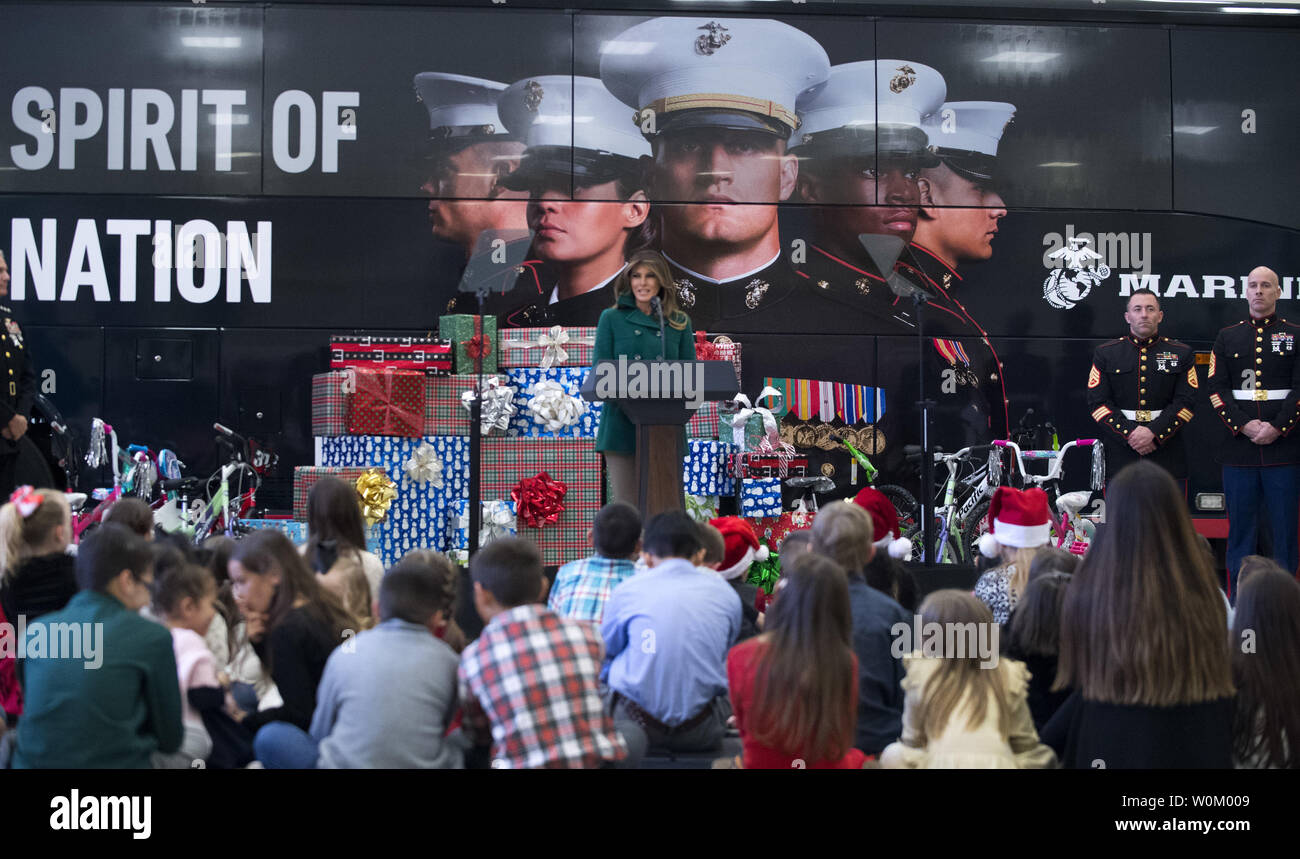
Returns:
<point x="1141" y="391"/>
<point x="1254" y="387"/>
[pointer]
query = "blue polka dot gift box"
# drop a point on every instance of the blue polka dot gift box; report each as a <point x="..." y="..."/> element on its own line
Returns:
<point x="549" y="412"/>
<point x="760" y="496"/>
<point x="704" y="469"/>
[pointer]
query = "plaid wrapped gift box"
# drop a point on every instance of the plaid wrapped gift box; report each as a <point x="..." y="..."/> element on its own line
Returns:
<point x="704" y="423"/>
<point x="574" y="462"/>
<point x="329" y="404"/>
<point x="522" y="347"/>
<point x="760" y="496"/>
<point x="305" y="477"/>
<point x="460" y="329"/>
<point x="704" y="471"/>
<point x="387" y="402"/>
<point x="458" y="523"/>
<point x="444" y="413"/>
<point x="524" y="424"/>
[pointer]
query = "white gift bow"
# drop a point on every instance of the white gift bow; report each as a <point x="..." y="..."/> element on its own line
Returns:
<point x="552" y="341"/>
<point x="551" y="405"/>
<point x="498" y="520"/>
<point x="425" y="466"/>
<point x="741" y="417"/>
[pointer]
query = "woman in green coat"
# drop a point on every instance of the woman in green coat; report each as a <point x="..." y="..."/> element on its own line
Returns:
<point x="631" y="328"/>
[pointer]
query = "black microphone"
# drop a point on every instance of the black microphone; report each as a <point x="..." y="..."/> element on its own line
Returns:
<point x="658" y="307"/>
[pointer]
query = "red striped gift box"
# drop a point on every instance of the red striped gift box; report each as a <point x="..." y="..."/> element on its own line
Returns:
<point x="574" y="462"/>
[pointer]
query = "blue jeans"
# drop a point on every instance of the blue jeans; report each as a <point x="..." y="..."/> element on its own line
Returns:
<point x="1272" y="491"/>
<point x="282" y="746"/>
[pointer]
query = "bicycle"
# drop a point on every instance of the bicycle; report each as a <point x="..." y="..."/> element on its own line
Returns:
<point x="961" y="504"/>
<point x="1072" y="531"/>
<point x="217" y="509"/>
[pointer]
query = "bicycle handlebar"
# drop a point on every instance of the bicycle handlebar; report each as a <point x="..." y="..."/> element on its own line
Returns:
<point x="1054" y="470"/>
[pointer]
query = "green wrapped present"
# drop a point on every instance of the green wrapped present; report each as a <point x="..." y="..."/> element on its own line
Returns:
<point x="474" y="339"/>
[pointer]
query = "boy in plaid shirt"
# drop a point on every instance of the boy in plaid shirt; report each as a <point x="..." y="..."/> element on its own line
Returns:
<point x="531" y="677"/>
<point x="582" y="587"/>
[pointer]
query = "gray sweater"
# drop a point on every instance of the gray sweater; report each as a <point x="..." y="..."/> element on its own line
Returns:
<point x="385" y="700"/>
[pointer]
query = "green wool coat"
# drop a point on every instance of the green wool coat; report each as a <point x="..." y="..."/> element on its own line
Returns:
<point x="624" y="330"/>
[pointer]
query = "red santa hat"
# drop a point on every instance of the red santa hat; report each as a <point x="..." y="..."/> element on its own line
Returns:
<point x="1018" y="518"/>
<point x="742" y="545"/>
<point x="884" y="523"/>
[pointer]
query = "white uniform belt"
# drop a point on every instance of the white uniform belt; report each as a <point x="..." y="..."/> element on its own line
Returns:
<point x="1262" y="394"/>
<point x="1146" y="416"/>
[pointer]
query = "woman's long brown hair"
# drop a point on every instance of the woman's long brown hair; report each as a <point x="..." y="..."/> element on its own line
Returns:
<point x="1265" y="652"/>
<point x="959" y="682"/>
<point x="654" y="261"/>
<point x="803" y="702"/>
<point x="1144" y="622"/>
<point x="261" y="552"/>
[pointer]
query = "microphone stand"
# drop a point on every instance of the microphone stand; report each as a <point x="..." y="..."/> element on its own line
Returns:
<point x="926" y="502"/>
<point x="663" y="343"/>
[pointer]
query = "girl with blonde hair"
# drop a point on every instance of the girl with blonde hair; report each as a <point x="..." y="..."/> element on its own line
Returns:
<point x="961" y="712"/>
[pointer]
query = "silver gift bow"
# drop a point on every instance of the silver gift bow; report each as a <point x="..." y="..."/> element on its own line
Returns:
<point x="425" y="466"/>
<point x="498" y="520"/>
<point x="498" y="404"/>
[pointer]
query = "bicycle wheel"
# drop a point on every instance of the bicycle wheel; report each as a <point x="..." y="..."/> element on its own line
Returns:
<point x="951" y="556"/>
<point x="977" y="525"/>
<point x="904" y="504"/>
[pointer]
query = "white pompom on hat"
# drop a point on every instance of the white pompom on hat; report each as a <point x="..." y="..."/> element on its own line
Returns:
<point x="1017" y="518"/>
<point x="743" y="548"/>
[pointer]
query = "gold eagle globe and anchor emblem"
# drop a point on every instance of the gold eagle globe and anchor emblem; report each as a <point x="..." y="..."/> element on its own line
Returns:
<point x="905" y="78"/>
<point x="715" y="38"/>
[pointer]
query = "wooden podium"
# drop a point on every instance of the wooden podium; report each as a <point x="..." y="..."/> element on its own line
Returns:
<point x="660" y="413"/>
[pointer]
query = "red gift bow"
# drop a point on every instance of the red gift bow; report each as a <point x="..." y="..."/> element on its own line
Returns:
<point x="704" y="350"/>
<point x="477" y="346"/>
<point x="538" y="500"/>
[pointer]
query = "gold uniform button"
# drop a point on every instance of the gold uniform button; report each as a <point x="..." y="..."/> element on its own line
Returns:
<point x="1259" y="348"/>
<point x="1143" y="379"/>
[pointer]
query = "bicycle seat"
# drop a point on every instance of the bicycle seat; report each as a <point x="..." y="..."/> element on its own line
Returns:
<point x="76" y="500"/>
<point x="180" y="484"/>
<point x="1072" y="502"/>
<point x="815" y="482"/>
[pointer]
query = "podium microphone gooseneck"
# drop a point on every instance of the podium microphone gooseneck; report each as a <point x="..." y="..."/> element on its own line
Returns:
<point x="658" y="307"/>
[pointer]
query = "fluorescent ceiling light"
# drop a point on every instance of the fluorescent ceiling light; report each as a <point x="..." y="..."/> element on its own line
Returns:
<point x="1022" y="57"/>
<point x="1194" y="129"/>
<point x="1257" y="10"/>
<point x="1061" y="164"/>
<point x="638" y="48"/>
<point x="211" y="41"/>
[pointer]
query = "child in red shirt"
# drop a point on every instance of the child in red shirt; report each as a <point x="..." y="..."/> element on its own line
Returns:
<point x="794" y="689"/>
